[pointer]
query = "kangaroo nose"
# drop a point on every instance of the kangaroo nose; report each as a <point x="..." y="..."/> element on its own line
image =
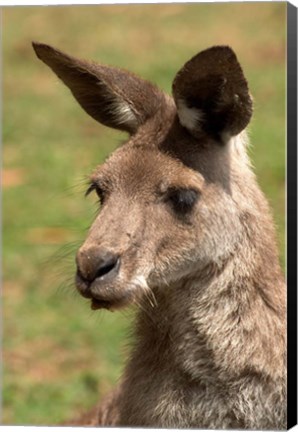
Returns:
<point x="93" y="263"/>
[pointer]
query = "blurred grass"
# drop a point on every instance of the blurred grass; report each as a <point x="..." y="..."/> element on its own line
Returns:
<point x="58" y="356"/>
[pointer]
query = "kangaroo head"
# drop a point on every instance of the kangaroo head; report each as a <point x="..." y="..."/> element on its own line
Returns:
<point x="169" y="206"/>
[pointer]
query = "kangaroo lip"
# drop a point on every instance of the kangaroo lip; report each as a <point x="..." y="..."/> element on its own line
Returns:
<point x="112" y="302"/>
<point x="100" y="304"/>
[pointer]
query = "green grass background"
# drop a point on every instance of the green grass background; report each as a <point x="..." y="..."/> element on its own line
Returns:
<point x="59" y="357"/>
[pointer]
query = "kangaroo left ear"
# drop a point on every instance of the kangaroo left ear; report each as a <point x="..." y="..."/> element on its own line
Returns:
<point x="114" y="97"/>
<point x="212" y="95"/>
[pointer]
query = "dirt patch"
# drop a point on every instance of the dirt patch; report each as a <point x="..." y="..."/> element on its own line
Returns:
<point x="13" y="290"/>
<point x="12" y="177"/>
<point x="48" y="235"/>
<point x="42" y="361"/>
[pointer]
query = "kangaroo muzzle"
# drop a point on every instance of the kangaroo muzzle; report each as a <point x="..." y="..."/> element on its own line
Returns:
<point x="97" y="268"/>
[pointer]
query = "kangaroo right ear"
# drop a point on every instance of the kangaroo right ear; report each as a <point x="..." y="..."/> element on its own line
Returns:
<point x="211" y="94"/>
<point x="114" y="97"/>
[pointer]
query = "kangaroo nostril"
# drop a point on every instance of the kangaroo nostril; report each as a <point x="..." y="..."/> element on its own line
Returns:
<point x="108" y="265"/>
<point x="93" y="263"/>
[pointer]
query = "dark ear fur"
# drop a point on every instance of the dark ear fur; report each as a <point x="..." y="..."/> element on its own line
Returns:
<point x="211" y="94"/>
<point x="112" y="96"/>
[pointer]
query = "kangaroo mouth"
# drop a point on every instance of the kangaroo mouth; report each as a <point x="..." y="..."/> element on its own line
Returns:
<point x="101" y="304"/>
<point x="101" y="293"/>
<point x="113" y="303"/>
<point x="104" y="294"/>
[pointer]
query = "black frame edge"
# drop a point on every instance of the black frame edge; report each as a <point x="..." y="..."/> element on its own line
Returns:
<point x="292" y="213"/>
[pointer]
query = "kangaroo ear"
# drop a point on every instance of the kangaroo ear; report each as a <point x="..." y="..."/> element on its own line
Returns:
<point x="211" y="94"/>
<point x="112" y="96"/>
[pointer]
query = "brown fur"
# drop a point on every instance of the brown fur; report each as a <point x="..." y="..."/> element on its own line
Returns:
<point x="185" y="233"/>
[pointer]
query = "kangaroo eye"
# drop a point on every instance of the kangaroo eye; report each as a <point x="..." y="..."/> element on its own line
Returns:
<point x="182" y="200"/>
<point x="97" y="189"/>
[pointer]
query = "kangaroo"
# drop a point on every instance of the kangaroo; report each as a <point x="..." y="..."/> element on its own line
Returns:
<point x="185" y="233"/>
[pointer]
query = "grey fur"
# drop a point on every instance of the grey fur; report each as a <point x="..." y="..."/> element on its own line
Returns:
<point x="209" y="348"/>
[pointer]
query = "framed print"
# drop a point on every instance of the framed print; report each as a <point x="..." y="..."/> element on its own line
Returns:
<point x="149" y="280"/>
